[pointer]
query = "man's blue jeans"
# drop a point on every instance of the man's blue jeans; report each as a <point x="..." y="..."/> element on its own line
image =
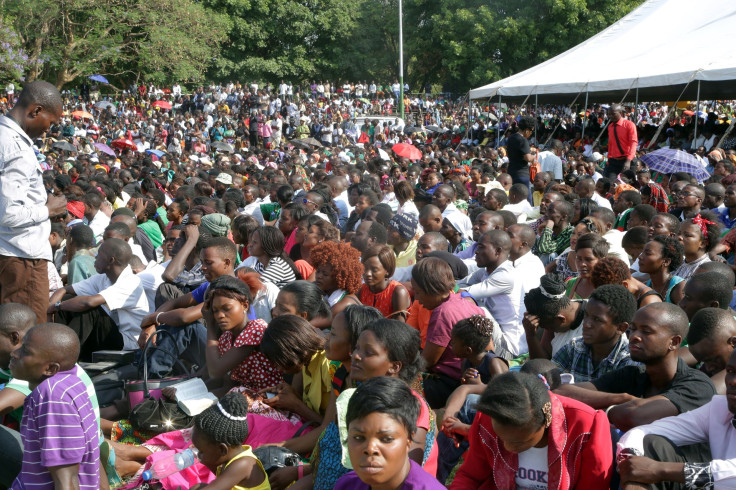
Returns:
<point x="187" y="343"/>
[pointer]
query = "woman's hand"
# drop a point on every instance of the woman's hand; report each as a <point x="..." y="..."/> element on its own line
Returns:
<point x="285" y="398"/>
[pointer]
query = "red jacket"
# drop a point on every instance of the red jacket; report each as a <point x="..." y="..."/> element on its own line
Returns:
<point x="579" y="449"/>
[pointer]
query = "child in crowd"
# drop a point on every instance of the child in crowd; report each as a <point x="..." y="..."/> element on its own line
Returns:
<point x="471" y="341"/>
<point x="218" y="435"/>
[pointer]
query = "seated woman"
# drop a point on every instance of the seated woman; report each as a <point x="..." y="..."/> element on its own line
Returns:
<point x="233" y="337"/>
<point x="661" y="257"/>
<point x="433" y="282"/>
<point x="548" y="308"/>
<point x="611" y="270"/>
<point x="304" y="299"/>
<point x="311" y="231"/>
<point x="264" y="293"/>
<point x="699" y="236"/>
<point x="565" y="263"/>
<point x="266" y="244"/>
<point x="380" y="423"/>
<point x="380" y="291"/>
<point x="338" y="273"/>
<point x="589" y="249"/>
<point x="524" y="433"/>
<point x="346" y="329"/>
<point x="297" y="349"/>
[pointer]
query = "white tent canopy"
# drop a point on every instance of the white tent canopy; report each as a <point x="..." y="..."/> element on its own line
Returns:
<point x="658" y="48"/>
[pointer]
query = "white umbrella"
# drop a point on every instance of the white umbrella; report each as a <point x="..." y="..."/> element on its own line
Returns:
<point x="383" y="155"/>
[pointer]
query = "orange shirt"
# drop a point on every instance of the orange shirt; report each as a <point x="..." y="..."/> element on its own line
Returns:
<point x="419" y="319"/>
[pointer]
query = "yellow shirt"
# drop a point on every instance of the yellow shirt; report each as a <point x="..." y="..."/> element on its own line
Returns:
<point x="537" y="197"/>
<point x="248" y="453"/>
<point x="408" y="256"/>
<point x="317" y="383"/>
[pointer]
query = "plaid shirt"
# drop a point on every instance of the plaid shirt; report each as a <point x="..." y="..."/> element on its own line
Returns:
<point x="659" y="199"/>
<point x="576" y="358"/>
<point x="548" y="243"/>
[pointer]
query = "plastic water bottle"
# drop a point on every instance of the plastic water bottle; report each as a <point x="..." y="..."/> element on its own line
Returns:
<point x="172" y="464"/>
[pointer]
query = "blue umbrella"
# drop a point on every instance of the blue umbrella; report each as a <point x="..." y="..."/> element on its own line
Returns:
<point x="669" y="161"/>
<point x="158" y="153"/>
<point x="98" y="78"/>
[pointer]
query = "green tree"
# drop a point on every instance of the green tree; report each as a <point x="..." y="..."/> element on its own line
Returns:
<point x="270" y="40"/>
<point x="14" y="61"/>
<point x="465" y="43"/>
<point x="158" y="41"/>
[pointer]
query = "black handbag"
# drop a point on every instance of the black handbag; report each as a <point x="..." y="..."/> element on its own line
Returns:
<point x="153" y="413"/>
<point x="275" y="457"/>
<point x="159" y="416"/>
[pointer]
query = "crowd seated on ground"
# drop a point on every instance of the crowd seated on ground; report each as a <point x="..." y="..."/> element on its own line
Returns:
<point x="488" y="313"/>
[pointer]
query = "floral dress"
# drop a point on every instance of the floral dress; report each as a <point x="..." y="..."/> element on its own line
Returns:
<point x="256" y="371"/>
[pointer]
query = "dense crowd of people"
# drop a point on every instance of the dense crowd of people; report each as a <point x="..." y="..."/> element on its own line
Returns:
<point x="474" y="297"/>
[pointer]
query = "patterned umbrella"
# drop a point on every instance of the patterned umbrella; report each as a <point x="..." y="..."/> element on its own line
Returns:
<point x="669" y="161"/>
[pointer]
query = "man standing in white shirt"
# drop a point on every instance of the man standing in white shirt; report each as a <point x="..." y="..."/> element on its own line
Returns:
<point x="26" y="208"/>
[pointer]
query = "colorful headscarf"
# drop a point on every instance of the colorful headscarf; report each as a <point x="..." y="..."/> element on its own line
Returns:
<point x="702" y="224"/>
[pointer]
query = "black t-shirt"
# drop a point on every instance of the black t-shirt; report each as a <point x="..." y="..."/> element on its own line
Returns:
<point x="688" y="390"/>
<point x="516" y="147"/>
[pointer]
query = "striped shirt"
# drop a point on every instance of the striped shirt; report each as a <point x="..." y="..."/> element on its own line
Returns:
<point x="59" y="428"/>
<point x="277" y="272"/>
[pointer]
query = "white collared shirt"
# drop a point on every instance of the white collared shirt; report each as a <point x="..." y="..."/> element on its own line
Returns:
<point x="529" y="270"/>
<point x="125" y="302"/>
<point x="500" y="293"/>
<point x="24" y="221"/>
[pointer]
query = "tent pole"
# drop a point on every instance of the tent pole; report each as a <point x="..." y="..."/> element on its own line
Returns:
<point x="536" y="115"/>
<point x="498" y="129"/>
<point x="697" y="115"/>
<point x="636" y="105"/>
<point x="585" y="114"/>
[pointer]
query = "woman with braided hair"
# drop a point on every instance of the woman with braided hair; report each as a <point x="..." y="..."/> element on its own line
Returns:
<point x="218" y="435"/>
<point x="472" y="341"/>
<point x="524" y="436"/>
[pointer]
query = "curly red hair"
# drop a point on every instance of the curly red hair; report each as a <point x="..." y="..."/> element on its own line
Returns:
<point x="345" y="262"/>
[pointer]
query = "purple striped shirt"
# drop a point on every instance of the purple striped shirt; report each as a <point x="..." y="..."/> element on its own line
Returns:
<point x="59" y="428"/>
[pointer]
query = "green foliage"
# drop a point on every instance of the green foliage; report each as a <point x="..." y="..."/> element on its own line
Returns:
<point x="466" y="43"/>
<point x="458" y="44"/>
<point x="272" y="40"/>
<point x="14" y="61"/>
<point x="162" y="40"/>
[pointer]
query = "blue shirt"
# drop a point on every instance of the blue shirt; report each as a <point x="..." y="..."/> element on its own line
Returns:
<point x="198" y="294"/>
<point x="728" y="223"/>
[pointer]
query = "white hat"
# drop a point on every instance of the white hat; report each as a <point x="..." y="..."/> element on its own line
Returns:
<point x="597" y="157"/>
<point x="224" y="178"/>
